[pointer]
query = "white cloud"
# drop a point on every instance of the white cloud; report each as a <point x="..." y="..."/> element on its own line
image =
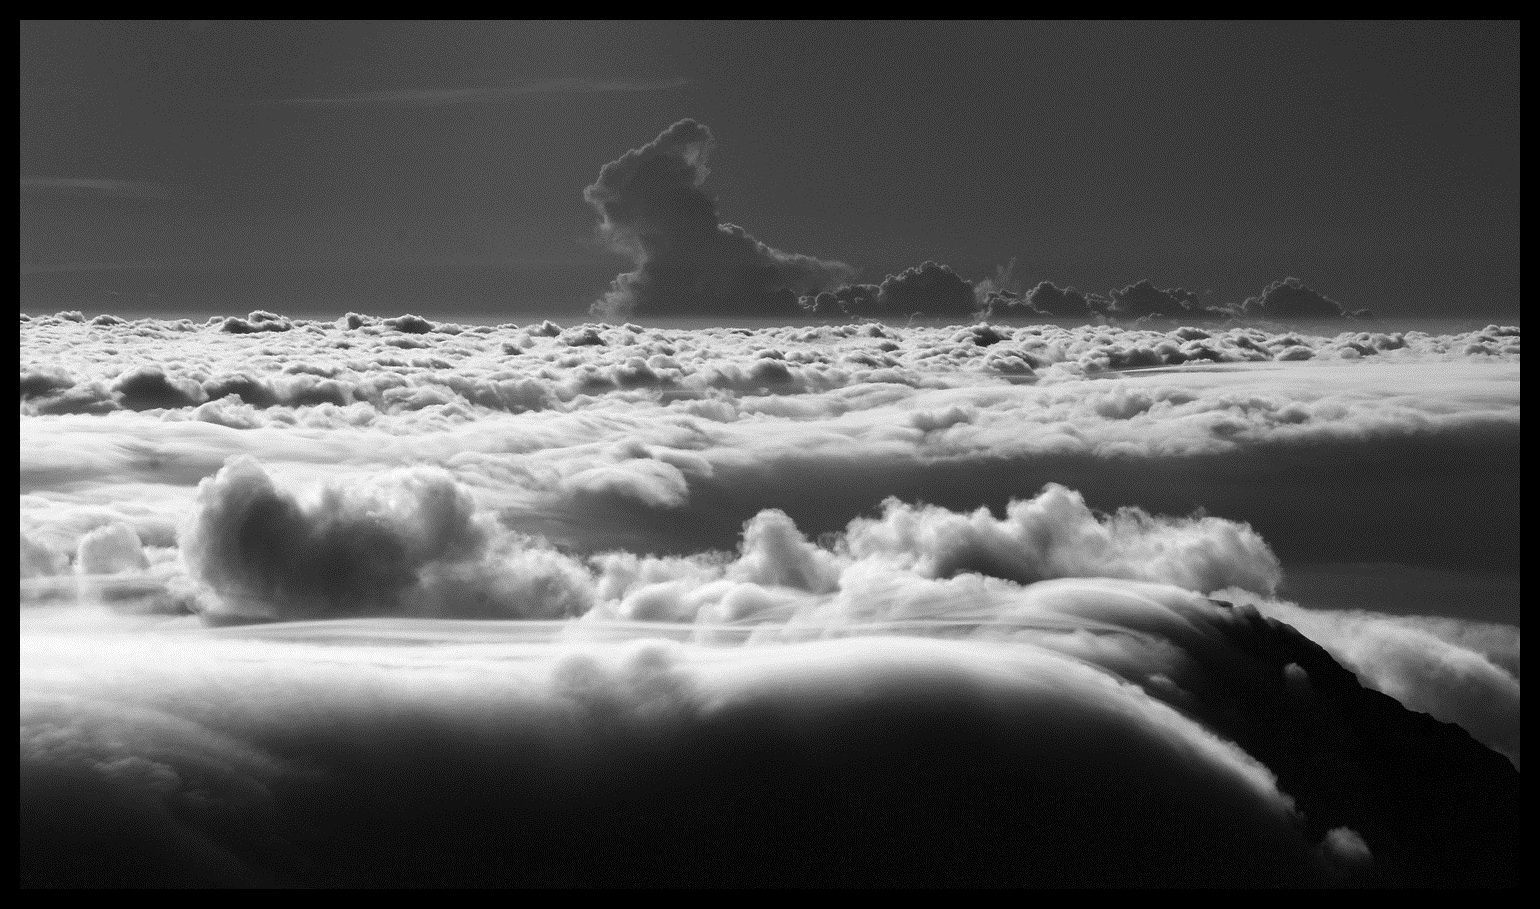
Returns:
<point x="799" y="511"/>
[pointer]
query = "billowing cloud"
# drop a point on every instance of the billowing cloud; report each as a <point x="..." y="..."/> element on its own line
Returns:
<point x="1286" y="300"/>
<point x="653" y="207"/>
<point x="1291" y="299"/>
<point x="929" y="289"/>
<point x="1066" y="302"/>
<point x="1144" y="300"/>
<point x="1056" y="535"/>
<point x="408" y="543"/>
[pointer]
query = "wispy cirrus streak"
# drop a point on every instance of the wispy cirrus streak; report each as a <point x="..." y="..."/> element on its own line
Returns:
<point x="442" y="97"/>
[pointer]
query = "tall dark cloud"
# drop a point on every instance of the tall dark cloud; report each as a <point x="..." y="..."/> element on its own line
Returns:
<point x="654" y="208"/>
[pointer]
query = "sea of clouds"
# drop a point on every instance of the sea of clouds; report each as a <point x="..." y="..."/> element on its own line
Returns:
<point x="389" y="601"/>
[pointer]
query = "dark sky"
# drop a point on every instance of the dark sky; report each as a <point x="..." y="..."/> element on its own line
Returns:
<point x="440" y="166"/>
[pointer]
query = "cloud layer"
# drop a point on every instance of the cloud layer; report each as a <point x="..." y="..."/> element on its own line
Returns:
<point x="1063" y="733"/>
<point x="397" y="602"/>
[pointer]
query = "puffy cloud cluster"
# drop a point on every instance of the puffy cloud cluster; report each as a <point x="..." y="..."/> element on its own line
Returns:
<point x="654" y="208"/>
<point x="1063" y="302"/>
<point x="1057" y="535"/>
<point x="411" y="543"/>
<point x="1144" y="299"/>
<point x="1286" y="301"/>
<point x="930" y="290"/>
<point x="368" y="367"/>
<point x="1291" y="299"/>
<point x="405" y="543"/>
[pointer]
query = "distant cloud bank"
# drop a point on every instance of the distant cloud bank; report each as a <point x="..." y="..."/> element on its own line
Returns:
<point x="653" y="207"/>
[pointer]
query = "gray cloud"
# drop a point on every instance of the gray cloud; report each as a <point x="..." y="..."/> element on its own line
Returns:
<point x="1291" y="299"/>
<point x="1051" y="300"/>
<point x="1143" y="299"/>
<point x="653" y="207"/>
<point x="929" y="289"/>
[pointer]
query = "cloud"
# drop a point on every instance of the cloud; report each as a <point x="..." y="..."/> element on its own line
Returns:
<point x="930" y="289"/>
<point x="264" y="553"/>
<point x="1051" y="300"/>
<point x="654" y="209"/>
<point x="148" y="388"/>
<point x="110" y="549"/>
<point x="1291" y="299"/>
<point x="1433" y="665"/>
<point x="1056" y="535"/>
<point x="479" y="94"/>
<point x="723" y="631"/>
<point x="663" y="440"/>
<point x="1070" y="732"/>
<point x="281" y="663"/>
<point x="1144" y="300"/>
<point x="408" y="543"/>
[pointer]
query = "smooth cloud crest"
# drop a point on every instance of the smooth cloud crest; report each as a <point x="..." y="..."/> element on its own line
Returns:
<point x="1068" y="732"/>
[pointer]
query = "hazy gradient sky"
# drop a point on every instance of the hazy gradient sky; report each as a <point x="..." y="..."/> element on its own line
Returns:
<point x="439" y="167"/>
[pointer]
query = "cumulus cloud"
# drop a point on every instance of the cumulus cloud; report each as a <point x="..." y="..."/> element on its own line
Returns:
<point x="653" y="207"/>
<point x="1286" y="300"/>
<point x="1291" y="299"/>
<point x="110" y="549"/>
<point x="1057" y="535"/>
<point x="347" y="552"/>
<point x="1144" y="300"/>
<point x="408" y="543"/>
<point x="1063" y="302"/>
<point x="929" y="289"/>
<point x="412" y="543"/>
